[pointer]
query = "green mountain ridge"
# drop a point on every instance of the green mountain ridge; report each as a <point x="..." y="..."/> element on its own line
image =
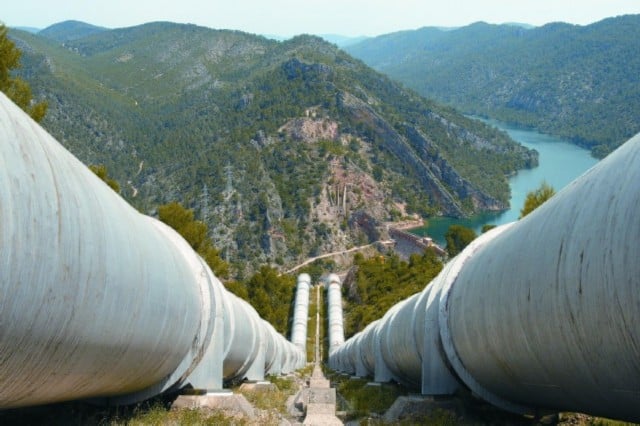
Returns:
<point x="578" y="82"/>
<point x="70" y="30"/>
<point x="280" y="147"/>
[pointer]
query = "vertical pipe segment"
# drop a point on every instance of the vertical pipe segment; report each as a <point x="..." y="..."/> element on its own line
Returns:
<point x="336" y="323"/>
<point x="301" y="313"/>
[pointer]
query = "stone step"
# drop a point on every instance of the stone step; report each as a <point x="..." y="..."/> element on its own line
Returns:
<point x="320" y="401"/>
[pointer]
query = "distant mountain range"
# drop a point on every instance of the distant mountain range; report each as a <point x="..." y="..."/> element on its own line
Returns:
<point x="70" y="30"/>
<point x="579" y="82"/>
<point x="286" y="149"/>
<point x="33" y="30"/>
<point x="343" y="41"/>
<point x="73" y="30"/>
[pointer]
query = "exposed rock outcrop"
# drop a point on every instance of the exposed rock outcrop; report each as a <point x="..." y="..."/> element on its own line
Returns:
<point x="311" y="129"/>
<point x="442" y="171"/>
<point x="437" y="176"/>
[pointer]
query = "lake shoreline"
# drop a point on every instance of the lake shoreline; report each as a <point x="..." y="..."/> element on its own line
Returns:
<point x="560" y="162"/>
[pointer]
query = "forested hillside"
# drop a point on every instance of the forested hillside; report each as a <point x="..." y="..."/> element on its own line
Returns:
<point x="579" y="82"/>
<point x="70" y="30"/>
<point x="374" y="285"/>
<point x="285" y="149"/>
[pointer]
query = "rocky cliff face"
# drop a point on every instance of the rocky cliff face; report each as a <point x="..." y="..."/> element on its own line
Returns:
<point x="414" y="149"/>
<point x="311" y="129"/>
<point x="439" y="170"/>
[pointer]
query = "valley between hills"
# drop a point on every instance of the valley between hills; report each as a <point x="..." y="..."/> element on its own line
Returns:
<point x="286" y="150"/>
<point x="277" y="157"/>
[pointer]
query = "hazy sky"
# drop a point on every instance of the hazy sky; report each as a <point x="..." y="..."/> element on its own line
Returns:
<point x="290" y="17"/>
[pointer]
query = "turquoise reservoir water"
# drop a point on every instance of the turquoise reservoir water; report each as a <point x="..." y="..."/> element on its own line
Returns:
<point x="560" y="163"/>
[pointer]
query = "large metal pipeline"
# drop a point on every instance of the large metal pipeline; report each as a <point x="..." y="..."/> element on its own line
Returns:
<point x="301" y="313"/>
<point x="100" y="301"/>
<point x="334" y="304"/>
<point x="534" y="316"/>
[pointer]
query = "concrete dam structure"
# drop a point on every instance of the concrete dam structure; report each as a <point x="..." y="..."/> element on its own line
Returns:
<point x="99" y="301"/>
<point x="540" y="315"/>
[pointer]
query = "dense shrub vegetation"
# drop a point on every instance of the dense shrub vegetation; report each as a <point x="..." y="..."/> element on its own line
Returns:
<point x="17" y="89"/>
<point x="381" y="282"/>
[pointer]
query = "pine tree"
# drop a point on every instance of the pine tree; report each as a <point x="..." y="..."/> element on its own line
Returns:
<point x="535" y="198"/>
<point x="458" y="237"/>
<point x="100" y="170"/>
<point x="195" y="232"/>
<point x="15" y="88"/>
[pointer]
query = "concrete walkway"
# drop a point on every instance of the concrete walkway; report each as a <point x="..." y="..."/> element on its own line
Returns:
<point x="321" y="401"/>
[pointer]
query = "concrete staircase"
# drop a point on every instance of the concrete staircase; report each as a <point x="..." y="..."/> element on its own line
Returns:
<point x="321" y="401"/>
